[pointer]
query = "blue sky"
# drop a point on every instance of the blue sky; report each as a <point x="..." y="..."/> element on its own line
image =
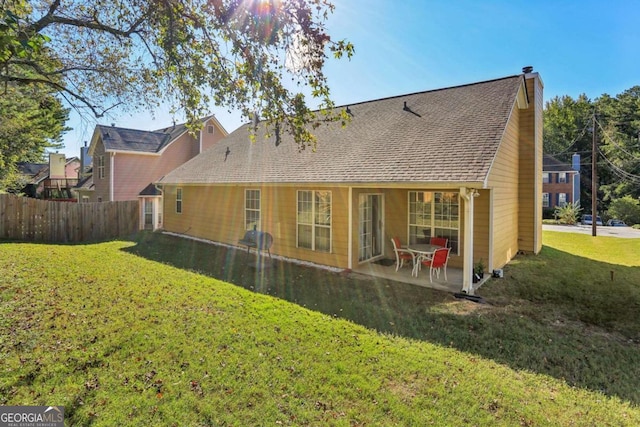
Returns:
<point x="590" y="47"/>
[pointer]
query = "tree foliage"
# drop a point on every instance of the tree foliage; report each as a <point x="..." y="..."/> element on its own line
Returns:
<point x="566" y="121"/>
<point x="625" y="208"/>
<point x="569" y="127"/>
<point x="32" y="120"/>
<point x="261" y="57"/>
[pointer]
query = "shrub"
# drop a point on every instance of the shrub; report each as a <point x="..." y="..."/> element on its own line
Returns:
<point x="569" y="213"/>
<point x="626" y="209"/>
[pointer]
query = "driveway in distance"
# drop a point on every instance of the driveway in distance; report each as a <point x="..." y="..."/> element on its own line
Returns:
<point x="625" y="232"/>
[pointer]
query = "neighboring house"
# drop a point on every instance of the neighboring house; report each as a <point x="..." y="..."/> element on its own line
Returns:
<point x="463" y="163"/>
<point x="560" y="182"/>
<point x="85" y="187"/>
<point x="51" y="181"/>
<point x="127" y="161"/>
<point x="29" y="171"/>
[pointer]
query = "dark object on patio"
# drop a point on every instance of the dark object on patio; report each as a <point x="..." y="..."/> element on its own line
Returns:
<point x="474" y="298"/>
<point x="385" y="262"/>
<point x="259" y="240"/>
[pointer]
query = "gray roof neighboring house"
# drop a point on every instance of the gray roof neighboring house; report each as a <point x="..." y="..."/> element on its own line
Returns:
<point x="39" y="171"/>
<point x="86" y="184"/>
<point x="31" y="169"/>
<point x="438" y="137"/>
<point x="551" y="164"/>
<point x="141" y="141"/>
<point x="121" y="139"/>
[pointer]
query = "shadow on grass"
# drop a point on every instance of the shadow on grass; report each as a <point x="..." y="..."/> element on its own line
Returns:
<point x="515" y="329"/>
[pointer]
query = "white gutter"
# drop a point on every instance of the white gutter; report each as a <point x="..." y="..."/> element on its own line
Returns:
<point x="350" y="239"/>
<point x="467" y="266"/>
<point x="112" y="163"/>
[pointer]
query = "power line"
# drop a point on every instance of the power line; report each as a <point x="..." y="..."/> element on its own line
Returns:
<point x="575" y="140"/>
<point x="633" y="156"/>
<point x="618" y="171"/>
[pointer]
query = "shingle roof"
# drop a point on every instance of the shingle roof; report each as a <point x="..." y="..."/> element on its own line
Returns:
<point x="449" y="135"/>
<point x="31" y="168"/>
<point x="143" y="141"/>
<point x="86" y="183"/>
<point x="551" y="164"/>
<point x="121" y="139"/>
<point x="150" y="190"/>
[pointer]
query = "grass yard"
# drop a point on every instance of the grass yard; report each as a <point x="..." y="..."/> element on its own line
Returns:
<point x="154" y="331"/>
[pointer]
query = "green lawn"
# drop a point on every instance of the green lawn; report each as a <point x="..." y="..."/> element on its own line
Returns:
<point x="147" y="332"/>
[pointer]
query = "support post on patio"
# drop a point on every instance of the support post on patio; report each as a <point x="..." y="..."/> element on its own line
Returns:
<point x="468" y="194"/>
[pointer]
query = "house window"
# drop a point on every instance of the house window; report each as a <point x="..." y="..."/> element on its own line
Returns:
<point x="210" y="129"/>
<point x="562" y="177"/>
<point x="434" y="214"/>
<point x="100" y="166"/>
<point x="251" y="209"/>
<point x="179" y="200"/>
<point x="562" y="199"/>
<point x="545" y="200"/>
<point x="85" y="199"/>
<point x="314" y="220"/>
<point x="545" y="177"/>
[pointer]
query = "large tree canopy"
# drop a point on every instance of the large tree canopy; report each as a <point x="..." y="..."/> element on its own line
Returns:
<point x="262" y="57"/>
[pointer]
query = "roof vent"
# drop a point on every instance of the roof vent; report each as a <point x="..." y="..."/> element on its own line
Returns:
<point x="528" y="69"/>
<point x="407" y="108"/>
<point x="113" y="125"/>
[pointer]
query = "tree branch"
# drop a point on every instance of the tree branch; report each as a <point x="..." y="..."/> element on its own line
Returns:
<point x="58" y="87"/>
<point x="50" y="18"/>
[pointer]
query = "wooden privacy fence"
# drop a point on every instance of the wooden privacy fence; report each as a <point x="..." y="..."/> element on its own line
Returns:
<point x="23" y="218"/>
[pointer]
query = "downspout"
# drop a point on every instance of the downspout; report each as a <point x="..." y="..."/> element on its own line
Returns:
<point x="467" y="263"/>
<point x="112" y="163"/>
<point x="159" y="207"/>
<point x="350" y="232"/>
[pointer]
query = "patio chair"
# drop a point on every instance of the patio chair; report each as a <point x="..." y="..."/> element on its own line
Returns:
<point x="402" y="254"/>
<point x="439" y="241"/>
<point x="437" y="262"/>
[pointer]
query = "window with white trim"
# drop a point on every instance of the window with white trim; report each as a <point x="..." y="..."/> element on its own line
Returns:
<point x="179" y="200"/>
<point x="545" y="200"/>
<point x="562" y="199"/>
<point x="562" y="177"/>
<point x="314" y="220"/>
<point x="434" y="214"/>
<point x="545" y="177"/>
<point x="100" y="166"/>
<point x="251" y="209"/>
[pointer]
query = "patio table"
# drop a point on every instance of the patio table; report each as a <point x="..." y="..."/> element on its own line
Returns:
<point x="421" y="251"/>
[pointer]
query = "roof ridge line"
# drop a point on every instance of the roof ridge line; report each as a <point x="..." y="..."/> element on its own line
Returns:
<point x="429" y="90"/>
<point x="137" y="130"/>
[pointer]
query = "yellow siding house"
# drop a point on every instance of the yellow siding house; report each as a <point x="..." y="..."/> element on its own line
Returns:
<point x="463" y="163"/>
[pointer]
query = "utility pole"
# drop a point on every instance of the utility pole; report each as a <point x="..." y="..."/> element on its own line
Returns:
<point x="594" y="179"/>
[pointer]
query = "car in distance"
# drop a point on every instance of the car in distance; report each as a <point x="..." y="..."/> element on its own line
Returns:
<point x="588" y="220"/>
<point x="616" y="223"/>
